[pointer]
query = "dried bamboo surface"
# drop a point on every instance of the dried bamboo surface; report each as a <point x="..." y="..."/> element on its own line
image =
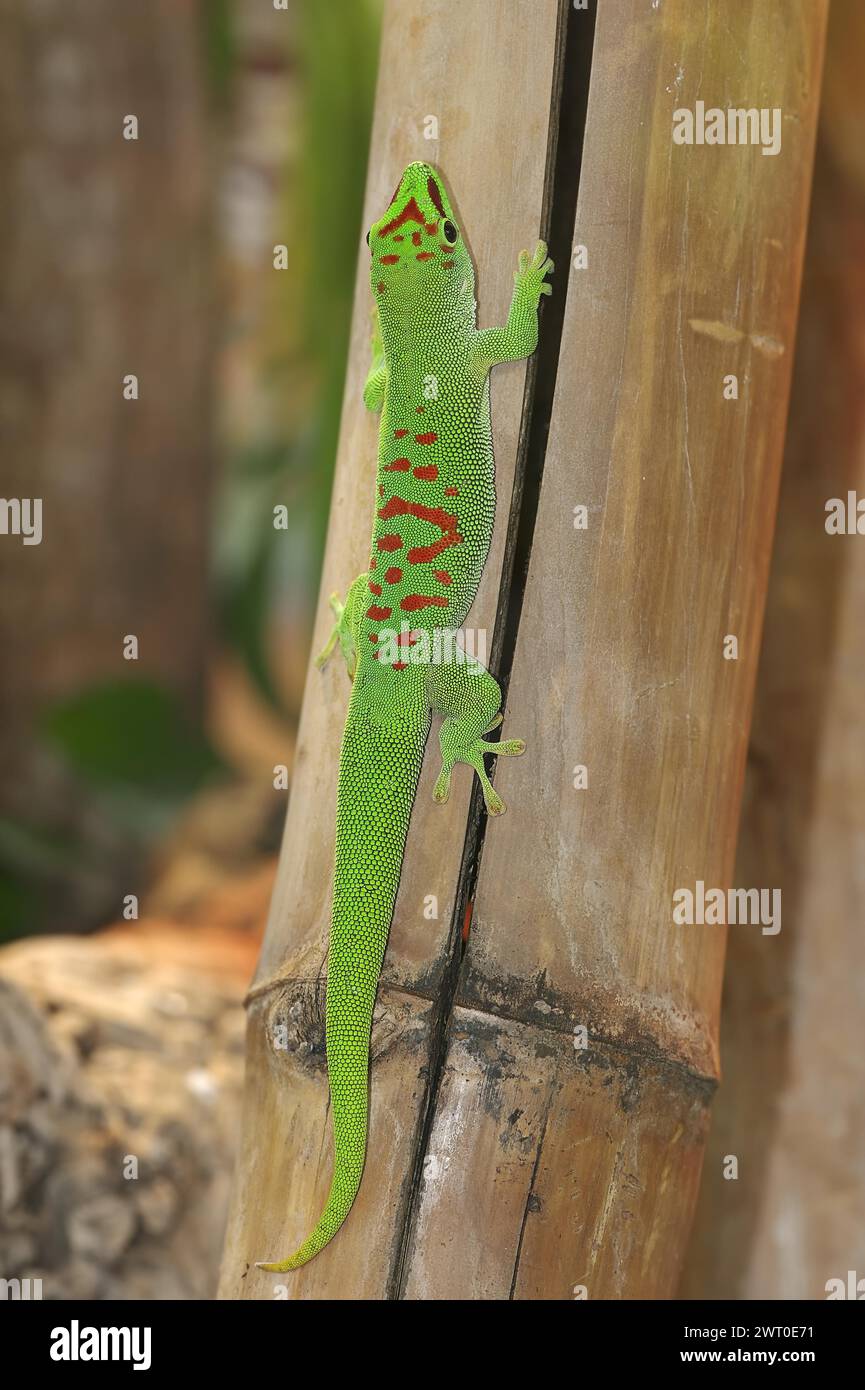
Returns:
<point x="792" y="1108"/>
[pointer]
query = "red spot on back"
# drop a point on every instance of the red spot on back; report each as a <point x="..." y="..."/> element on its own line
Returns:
<point x="398" y="466"/>
<point x="373" y="636"/>
<point x="412" y="602"/>
<point x="429" y="438"/>
<point x="452" y="492"/>
<point x="427" y="474"/>
<point x="393" y="575"/>
<point x="380" y="490"/>
<point x="372" y="563"/>
<point x="436" y="516"/>
<point x="407" y="639"/>
<point x="410" y="213"/>
<point x="378" y="615"/>
<point x="419" y="554"/>
<point x="380" y="287"/>
<point x="420" y="410"/>
<point x="442" y="576"/>
<point x="398" y="434"/>
<point x="389" y="542"/>
<point x="399" y="665"/>
<point x="375" y="589"/>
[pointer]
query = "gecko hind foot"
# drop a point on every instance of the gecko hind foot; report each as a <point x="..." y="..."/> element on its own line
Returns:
<point x="473" y="755"/>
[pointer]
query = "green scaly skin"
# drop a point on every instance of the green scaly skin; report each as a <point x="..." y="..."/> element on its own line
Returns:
<point x="435" y="500"/>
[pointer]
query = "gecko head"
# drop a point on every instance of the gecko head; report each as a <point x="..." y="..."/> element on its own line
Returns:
<point x="419" y="262"/>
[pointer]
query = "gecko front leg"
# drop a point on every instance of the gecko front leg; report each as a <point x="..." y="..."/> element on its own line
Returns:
<point x="344" y="630"/>
<point x="519" y="337"/>
<point x="375" y="385"/>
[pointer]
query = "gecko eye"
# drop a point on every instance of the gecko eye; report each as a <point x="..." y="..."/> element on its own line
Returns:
<point x="367" y="238"/>
<point x="450" y="232"/>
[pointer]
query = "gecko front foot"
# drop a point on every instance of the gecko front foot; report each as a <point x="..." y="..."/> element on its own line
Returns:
<point x="343" y="631"/>
<point x="530" y="275"/>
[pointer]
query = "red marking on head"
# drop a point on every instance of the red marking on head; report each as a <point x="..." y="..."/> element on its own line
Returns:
<point x="429" y="438"/>
<point x="399" y="238"/>
<point x="431" y="228"/>
<point x="452" y="492"/>
<point x="442" y="576"/>
<point x="415" y="238"/>
<point x="378" y="615"/>
<point x="390" y="542"/>
<point x="448" y="265"/>
<point x="393" y="575"/>
<point x="435" y="196"/>
<point x="427" y="474"/>
<point x="407" y="639"/>
<point x="412" y="602"/>
<point x="375" y="589"/>
<point x="389" y="260"/>
<point x="398" y="466"/>
<point x="399" y="665"/>
<point x="410" y="213"/>
<point x="399" y="434"/>
<point x="424" y="255"/>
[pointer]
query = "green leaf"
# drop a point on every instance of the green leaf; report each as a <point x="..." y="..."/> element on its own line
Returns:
<point x="135" y="736"/>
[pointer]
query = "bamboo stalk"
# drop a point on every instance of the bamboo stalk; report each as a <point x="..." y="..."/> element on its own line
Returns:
<point x="491" y="142"/>
<point x="792" y="1219"/>
<point x="551" y="1167"/>
<point x="547" y="1168"/>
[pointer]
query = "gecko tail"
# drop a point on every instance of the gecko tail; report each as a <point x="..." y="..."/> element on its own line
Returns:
<point x="379" y="767"/>
<point x="343" y="1191"/>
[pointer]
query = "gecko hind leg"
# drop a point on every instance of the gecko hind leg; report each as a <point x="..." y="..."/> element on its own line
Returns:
<point x="469" y="698"/>
<point x="344" y="628"/>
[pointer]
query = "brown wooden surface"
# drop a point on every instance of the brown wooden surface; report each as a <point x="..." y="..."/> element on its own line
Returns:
<point x="792" y="1106"/>
<point x="548" y="1167"/>
<point x="694" y="259"/>
<point x="492" y="150"/>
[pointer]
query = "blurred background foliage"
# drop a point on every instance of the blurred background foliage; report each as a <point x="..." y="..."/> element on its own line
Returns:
<point x="106" y="760"/>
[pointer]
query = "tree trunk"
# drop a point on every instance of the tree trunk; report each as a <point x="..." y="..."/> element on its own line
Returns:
<point x="105" y="254"/>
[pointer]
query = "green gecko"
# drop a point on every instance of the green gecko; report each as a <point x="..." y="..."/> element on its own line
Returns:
<point x="435" y="507"/>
